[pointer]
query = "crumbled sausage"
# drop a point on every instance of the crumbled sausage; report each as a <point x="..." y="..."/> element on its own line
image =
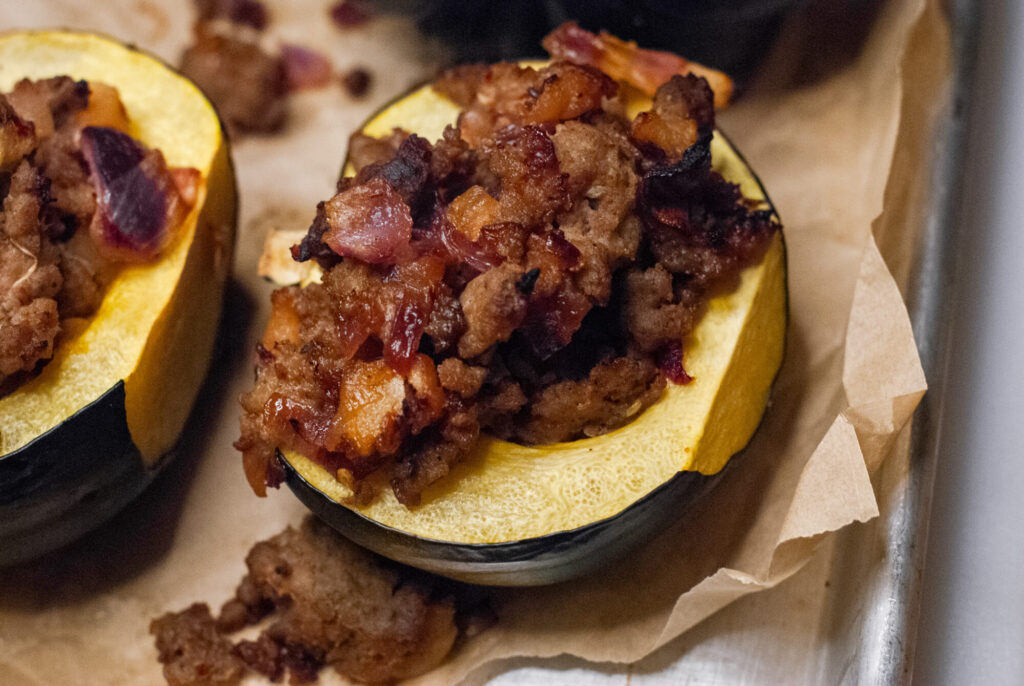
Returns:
<point x="547" y="257"/>
<point x="51" y="269"/>
<point x="330" y="603"/>
<point x="248" y="85"/>
<point x="193" y="652"/>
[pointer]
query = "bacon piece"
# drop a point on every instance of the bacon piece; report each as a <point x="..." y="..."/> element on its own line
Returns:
<point x="386" y="313"/>
<point x="137" y="201"/>
<point x="416" y="285"/>
<point x="553" y="320"/>
<point x="305" y="69"/>
<point x="309" y="424"/>
<point x="407" y="170"/>
<point x="623" y="60"/>
<point x="360" y="298"/>
<point x="556" y="307"/>
<point x="369" y="222"/>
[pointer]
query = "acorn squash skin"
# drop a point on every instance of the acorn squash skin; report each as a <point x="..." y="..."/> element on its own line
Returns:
<point x="81" y="469"/>
<point x="530" y="562"/>
<point x="54" y="489"/>
<point x="566" y="552"/>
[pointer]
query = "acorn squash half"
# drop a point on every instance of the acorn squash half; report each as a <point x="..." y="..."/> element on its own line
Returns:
<point x="81" y="439"/>
<point x="527" y="515"/>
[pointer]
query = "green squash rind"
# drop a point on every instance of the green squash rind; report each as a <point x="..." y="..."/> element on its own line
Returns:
<point x="54" y="489"/>
<point x="536" y="561"/>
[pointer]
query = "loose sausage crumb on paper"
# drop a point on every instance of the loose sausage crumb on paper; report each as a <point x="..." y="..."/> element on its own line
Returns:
<point x="328" y="603"/>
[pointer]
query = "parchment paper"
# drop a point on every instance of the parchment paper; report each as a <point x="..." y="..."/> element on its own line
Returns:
<point x="837" y="130"/>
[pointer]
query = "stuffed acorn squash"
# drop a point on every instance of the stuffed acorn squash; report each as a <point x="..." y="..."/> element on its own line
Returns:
<point x="514" y="514"/>
<point x="84" y="435"/>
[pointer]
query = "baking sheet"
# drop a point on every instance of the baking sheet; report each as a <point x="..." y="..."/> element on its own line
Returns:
<point x="727" y="648"/>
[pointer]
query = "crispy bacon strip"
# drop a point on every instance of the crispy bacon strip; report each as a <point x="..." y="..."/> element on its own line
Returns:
<point x="623" y="60"/>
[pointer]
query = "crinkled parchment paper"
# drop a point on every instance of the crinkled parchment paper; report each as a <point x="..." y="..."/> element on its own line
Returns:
<point x="837" y="128"/>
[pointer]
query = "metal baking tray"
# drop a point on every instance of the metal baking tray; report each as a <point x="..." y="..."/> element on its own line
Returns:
<point x="888" y="626"/>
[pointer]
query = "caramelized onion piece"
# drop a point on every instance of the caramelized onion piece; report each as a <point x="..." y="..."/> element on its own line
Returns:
<point x="623" y="60"/>
<point x="137" y="199"/>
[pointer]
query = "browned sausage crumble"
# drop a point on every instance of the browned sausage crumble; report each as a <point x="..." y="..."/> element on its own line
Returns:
<point x="531" y="275"/>
<point x="326" y="602"/>
<point x="245" y="76"/>
<point x="247" y="84"/>
<point x="66" y="161"/>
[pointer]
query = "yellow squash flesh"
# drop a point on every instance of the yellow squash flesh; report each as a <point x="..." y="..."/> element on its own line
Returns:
<point x="506" y="492"/>
<point x="156" y="325"/>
